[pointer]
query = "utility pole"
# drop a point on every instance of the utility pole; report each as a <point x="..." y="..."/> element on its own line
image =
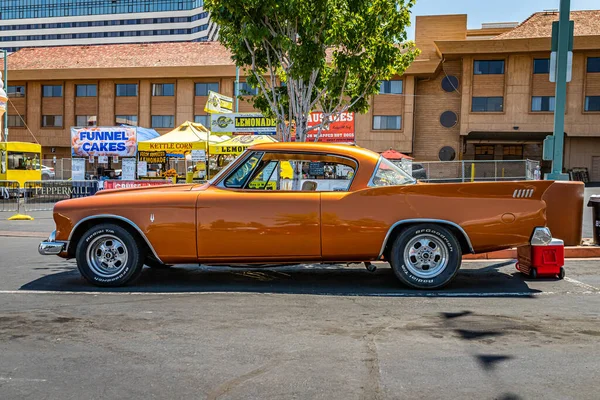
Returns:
<point x="555" y="151"/>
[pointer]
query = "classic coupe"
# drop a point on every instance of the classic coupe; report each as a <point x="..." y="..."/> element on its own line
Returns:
<point x="339" y="204"/>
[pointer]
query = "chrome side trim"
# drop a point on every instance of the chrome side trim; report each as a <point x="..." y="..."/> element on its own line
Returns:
<point x="425" y="220"/>
<point x="128" y="221"/>
<point x="523" y="193"/>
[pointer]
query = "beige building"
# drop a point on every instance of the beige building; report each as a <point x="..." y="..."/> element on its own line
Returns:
<point x="471" y="94"/>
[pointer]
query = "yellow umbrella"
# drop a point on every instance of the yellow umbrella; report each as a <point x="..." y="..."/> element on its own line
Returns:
<point x="238" y="144"/>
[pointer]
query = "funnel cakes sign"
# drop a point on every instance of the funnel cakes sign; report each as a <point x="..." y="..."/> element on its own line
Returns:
<point x="103" y="141"/>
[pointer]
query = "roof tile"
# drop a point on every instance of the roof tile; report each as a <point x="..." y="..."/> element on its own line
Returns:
<point x="174" y="54"/>
<point x="587" y="23"/>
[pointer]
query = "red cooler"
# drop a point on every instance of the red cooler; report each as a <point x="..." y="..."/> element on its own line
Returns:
<point x="542" y="260"/>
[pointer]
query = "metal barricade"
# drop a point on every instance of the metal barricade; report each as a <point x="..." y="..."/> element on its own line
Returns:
<point x="42" y="195"/>
<point x="477" y="170"/>
<point x="9" y="196"/>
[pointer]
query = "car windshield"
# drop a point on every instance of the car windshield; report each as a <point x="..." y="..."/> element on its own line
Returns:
<point x="389" y="174"/>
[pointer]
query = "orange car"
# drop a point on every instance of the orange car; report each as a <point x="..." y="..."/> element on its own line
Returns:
<point x="335" y="203"/>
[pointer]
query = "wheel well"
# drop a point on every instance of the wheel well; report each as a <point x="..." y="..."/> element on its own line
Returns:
<point x="398" y="229"/>
<point x="84" y="226"/>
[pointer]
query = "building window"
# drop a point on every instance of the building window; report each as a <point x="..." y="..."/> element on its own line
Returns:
<point x="484" y="152"/>
<point x="15" y="121"/>
<point x="85" y="120"/>
<point x="163" y="89"/>
<point x="202" y="89"/>
<point x="201" y="119"/>
<point x="592" y="103"/>
<point x="54" y="121"/>
<point x="450" y="83"/>
<point x="85" y="90"/>
<point x="163" y="121"/>
<point x="126" y="120"/>
<point x="15" y="91"/>
<point x="387" y="122"/>
<point x="246" y="90"/>
<point x="487" y="104"/>
<point x="448" y="119"/>
<point x="541" y="66"/>
<point x="390" y="87"/>
<point x="447" y="153"/>
<point x="127" y="89"/>
<point x="542" y="103"/>
<point x="512" y="152"/>
<point x="52" y="90"/>
<point x="593" y="64"/>
<point x="488" y="67"/>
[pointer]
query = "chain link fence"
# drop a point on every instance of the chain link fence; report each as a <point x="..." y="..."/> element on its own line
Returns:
<point x="475" y="171"/>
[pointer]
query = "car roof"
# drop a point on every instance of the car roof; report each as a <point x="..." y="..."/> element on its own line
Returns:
<point x="346" y="150"/>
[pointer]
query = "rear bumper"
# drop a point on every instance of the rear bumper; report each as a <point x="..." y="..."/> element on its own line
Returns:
<point x="52" y="247"/>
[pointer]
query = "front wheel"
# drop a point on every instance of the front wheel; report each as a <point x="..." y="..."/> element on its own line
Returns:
<point x="426" y="256"/>
<point x="109" y="255"/>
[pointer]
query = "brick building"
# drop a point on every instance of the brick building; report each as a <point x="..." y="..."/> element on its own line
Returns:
<point x="471" y="94"/>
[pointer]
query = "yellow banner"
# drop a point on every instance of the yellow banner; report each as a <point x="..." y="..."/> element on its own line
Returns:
<point x="172" y="148"/>
<point x="217" y="103"/>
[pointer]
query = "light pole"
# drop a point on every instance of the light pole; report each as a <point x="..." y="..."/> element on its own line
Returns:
<point x="561" y="92"/>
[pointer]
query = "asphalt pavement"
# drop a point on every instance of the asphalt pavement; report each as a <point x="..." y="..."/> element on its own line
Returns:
<point x="309" y="331"/>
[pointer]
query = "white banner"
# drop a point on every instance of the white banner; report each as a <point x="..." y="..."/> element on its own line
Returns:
<point x="142" y="168"/>
<point x="198" y="155"/>
<point x="243" y="123"/>
<point x="128" y="169"/>
<point x="78" y="169"/>
<point x="103" y="141"/>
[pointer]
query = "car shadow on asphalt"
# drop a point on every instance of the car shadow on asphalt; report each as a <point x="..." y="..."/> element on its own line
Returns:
<point x="489" y="281"/>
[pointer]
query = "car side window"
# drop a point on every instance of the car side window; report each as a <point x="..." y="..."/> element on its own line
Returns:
<point x="302" y="173"/>
<point x="239" y="177"/>
<point x="388" y="174"/>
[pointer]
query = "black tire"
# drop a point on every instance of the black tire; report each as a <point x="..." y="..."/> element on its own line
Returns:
<point x="562" y="273"/>
<point x="155" y="264"/>
<point x="128" y="257"/>
<point x="533" y="273"/>
<point x="436" y="236"/>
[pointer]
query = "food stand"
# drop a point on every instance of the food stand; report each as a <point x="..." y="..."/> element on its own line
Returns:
<point x="20" y="161"/>
<point x="187" y="144"/>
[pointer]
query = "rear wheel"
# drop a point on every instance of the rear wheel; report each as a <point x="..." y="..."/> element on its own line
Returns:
<point x="109" y="255"/>
<point x="426" y="256"/>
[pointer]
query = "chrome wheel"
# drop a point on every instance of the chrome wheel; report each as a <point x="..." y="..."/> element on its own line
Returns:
<point x="426" y="256"/>
<point x="107" y="256"/>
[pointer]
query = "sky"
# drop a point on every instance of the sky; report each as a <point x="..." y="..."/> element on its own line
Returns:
<point x="479" y="11"/>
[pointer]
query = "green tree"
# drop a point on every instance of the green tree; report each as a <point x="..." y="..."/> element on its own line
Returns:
<point x="314" y="55"/>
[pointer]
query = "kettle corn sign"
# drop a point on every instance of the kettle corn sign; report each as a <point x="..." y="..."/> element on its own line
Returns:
<point x="239" y="123"/>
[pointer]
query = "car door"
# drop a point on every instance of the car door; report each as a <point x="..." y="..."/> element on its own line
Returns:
<point x="239" y="223"/>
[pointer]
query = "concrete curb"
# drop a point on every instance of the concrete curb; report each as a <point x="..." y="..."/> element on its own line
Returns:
<point x="570" y="252"/>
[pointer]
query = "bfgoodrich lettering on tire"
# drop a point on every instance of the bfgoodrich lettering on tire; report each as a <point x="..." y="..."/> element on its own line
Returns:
<point x="109" y="255"/>
<point x="426" y="256"/>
